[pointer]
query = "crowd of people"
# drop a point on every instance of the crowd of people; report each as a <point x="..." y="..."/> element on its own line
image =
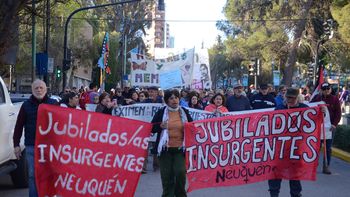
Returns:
<point x="168" y="148"/>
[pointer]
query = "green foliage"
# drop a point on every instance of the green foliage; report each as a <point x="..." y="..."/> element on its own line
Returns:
<point x="115" y="66"/>
<point x="276" y="31"/>
<point x="342" y="138"/>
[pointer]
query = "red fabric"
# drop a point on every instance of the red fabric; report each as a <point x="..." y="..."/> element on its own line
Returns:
<point x="84" y="99"/>
<point x="234" y="150"/>
<point x="114" y="150"/>
<point x="212" y="108"/>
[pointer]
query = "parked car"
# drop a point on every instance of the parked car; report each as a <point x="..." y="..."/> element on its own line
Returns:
<point x="17" y="97"/>
<point x="8" y="162"/>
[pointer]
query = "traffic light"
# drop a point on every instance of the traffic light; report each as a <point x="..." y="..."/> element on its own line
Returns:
<point x="67" y="62"/>
<point x="58" y="73"/>
<point x="251" y="69"/>
<point x="310" y="70"/>
<point x="328" y="28"/>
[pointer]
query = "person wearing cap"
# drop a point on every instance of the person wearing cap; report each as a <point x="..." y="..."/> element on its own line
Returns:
<point x="333" y="106"/>
<point x="238" y="102"/>
<point x="291" y="101"/>
<point x="263" y="99"/>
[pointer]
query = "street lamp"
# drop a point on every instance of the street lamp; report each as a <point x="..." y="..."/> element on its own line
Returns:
<point x="66" y="61"/>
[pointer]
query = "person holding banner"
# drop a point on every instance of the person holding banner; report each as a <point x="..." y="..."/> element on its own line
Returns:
<point x="238" y="102"/>
<point x="263" y="99"/>
<point x="70" y="100"/>
<point x="334" y="109"/>
<point x="217" y="104"/>
<point x="193" y="101"/>
<point x="291" y="101"/>
<point x="27" y="118"/>
<point x="169" y="123"/>
<point x="105" y="104"/>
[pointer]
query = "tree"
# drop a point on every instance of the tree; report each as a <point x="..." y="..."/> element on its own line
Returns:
<point x="291" y="19"/>
<point x="9" y="10"/>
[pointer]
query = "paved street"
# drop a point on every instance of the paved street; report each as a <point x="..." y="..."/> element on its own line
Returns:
<point x="335" y="185"/>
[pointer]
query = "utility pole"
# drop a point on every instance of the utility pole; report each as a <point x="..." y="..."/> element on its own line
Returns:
<point x="47" y="36"/>
<point x="33" y="40"/>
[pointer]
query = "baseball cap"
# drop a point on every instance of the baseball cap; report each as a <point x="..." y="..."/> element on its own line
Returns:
<point x="325" y="86"/>
<point x="292" y="92"/>
<point x="263" y="86"/>
<point x="237" y="85"/>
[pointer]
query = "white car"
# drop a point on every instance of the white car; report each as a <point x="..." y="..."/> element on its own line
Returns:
<point x="8" y="162"/>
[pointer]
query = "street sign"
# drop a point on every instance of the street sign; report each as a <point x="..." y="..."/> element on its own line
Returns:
<point x="245" y="80"/>
<point x="276" y="77"/>
<point x="50" y="65"/>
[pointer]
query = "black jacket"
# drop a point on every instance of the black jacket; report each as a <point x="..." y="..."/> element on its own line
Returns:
<point x="157" y="120"/>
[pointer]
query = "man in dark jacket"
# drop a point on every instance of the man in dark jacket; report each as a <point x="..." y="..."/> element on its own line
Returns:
<point x="27" y="118"/>
<point x="291" y="101"/>
<point x="263" y="99"/>
<point x="335" y="115"/>
<point x="238" y="102"/>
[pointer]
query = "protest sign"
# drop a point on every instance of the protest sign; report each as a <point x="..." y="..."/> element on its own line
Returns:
<point x="145" y="72"/>
<point x="81" y="153"/>
<point x="143" y="112"/>
<point x="170" y="79"/>
<point x="247" y="148"/>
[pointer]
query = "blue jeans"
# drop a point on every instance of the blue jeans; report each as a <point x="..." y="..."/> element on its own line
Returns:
<point x="275" y="186"/>
<point x="31" y="181"/>
<point x="329" y="143"/>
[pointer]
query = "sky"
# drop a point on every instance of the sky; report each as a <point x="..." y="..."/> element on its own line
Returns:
<point x="193" y="21"/>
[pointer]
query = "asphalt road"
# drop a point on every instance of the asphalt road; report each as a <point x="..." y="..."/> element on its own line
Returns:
<point x="335" y="185"/>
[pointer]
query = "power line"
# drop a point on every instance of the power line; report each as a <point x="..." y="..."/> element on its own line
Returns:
<point x="194" y="20"/>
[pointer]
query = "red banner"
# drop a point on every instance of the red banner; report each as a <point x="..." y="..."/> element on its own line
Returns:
<point x="81" y="153"/>
<point x="248" y="148"/>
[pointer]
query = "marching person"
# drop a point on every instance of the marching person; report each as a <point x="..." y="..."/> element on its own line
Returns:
<point x="238" y="102"/>
<point x="291" y="101"/>
<point x="70" y="100"/>
<point x="169" y="124"/>
<point x="27" y="118"/>
<point x="105" y="105"/>
<point x="193" y="101"/>
<point x="263" y="99"/>
<point x="335" y="115"/>
<point x="279" y="99"/>
<point x="216" y="105"/>
<point x="153" y="97"/>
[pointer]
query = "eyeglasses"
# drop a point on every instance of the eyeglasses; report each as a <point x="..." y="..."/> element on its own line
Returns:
<point x="327" y="88"/>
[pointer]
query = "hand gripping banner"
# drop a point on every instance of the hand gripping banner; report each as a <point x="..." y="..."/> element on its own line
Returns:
<point x="79" y="153"/>
<point x="248" y="148"/>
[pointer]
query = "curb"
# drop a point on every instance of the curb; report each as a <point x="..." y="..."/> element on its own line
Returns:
<point x="341" y="154"/>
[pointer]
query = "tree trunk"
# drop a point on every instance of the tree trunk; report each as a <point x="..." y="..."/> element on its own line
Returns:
<point x="292" y="56"/>
<point x="8" y="13"/>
